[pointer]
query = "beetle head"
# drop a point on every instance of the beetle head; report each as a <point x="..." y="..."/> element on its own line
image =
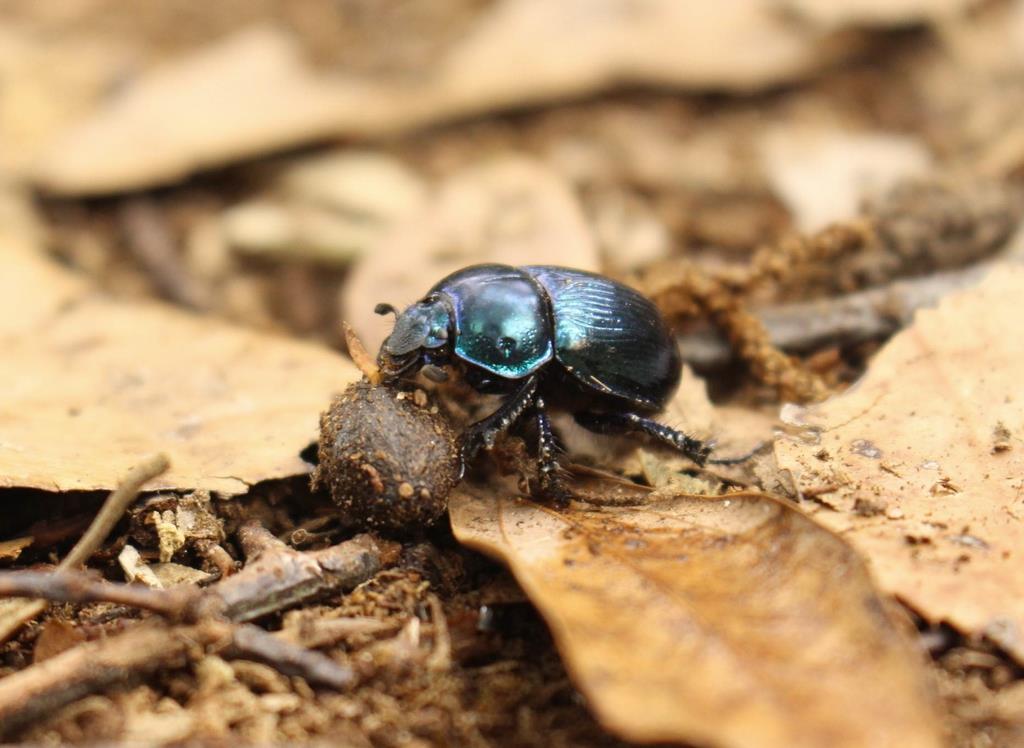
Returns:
<point x="420" y="334"/>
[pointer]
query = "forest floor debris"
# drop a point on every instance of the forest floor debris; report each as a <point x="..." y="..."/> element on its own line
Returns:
<point x="715" y="179"/>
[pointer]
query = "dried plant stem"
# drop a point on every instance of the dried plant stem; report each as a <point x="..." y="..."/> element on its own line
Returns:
<point x="252" y="642"/>
<point x="114" y="508"/>
<point x="440" y="659"/>
<point x="360" y="355"/>
<point x="699" y="293"/>
<point x="776" y="262"/>
<point x="934" y="229"/>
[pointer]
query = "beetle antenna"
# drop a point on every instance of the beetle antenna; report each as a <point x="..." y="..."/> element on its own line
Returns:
<point x="383" y="309"/>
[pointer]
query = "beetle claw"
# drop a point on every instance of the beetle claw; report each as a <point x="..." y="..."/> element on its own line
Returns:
<point x="471" y="443"/>
<point x="553" y="490"/>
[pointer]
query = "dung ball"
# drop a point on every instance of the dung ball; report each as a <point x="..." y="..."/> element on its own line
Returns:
<point x="388" y="457"/>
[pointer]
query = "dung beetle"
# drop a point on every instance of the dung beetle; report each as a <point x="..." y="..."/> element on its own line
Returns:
<point x="544" y="336"/>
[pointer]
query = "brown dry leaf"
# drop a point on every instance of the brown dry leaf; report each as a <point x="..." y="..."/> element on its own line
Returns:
<point x="511" y="210"/>
<point x="926" y="457"/>
<point x="877" y="12"/>
<point x="11" y="549"/>
<point x="728" y="622"/>
<point x="254" y="92"/>
<point x="984" y="54"/>
<point x="88" y="386"/>
<point x="50" y="82"/>
<point x="249" y="94"/>
<point x="56" y="636"/>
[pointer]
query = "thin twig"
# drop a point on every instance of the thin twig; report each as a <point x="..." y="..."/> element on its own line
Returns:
<point x="440" y="659"/>
<point x="252" y="642"/>
<point x="150" y="240"/>
<point x="279" y="577"/>
<point x="93" y="666"/>
<point x="41" y="689"/>
<point x="217" y="556"/>
<point x="14" y="616"/>
<point x="114" y="508"/>
<point x="82" y="587"/>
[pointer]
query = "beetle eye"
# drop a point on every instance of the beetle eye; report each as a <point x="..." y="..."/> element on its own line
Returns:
<point x="437" y="337"/>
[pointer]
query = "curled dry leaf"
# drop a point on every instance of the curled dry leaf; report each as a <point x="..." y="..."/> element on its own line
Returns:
<point x="89" y="385"/>
<point x="511" y="210"/>
<point x="923" y="462"/>
<point x="728" y="622"/>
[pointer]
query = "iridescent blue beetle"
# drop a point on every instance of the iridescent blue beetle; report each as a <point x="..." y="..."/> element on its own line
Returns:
<point x="544" y="336"/>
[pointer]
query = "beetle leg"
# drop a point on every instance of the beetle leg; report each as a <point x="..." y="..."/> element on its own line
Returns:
<point x="549" y="473"/>
<point x="622" y="423"/>
<point x="484" y="432"/>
